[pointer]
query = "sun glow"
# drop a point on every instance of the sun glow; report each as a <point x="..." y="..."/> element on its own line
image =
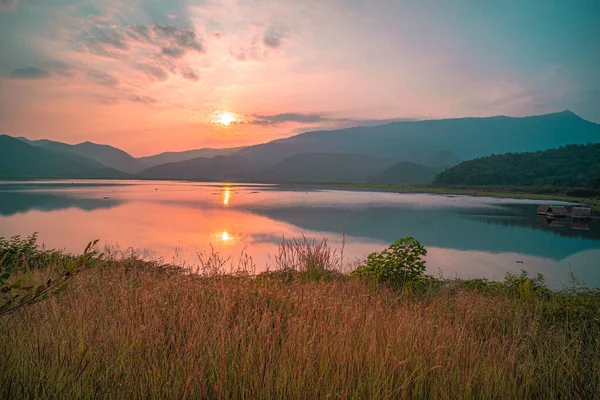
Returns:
<point x="225" y="118"/>
<point x="225" y="237"/>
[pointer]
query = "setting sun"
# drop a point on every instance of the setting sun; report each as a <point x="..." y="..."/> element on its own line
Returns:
<point x="225" y="118"/>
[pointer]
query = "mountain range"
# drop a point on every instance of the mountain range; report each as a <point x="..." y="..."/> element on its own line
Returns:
<point x="407" y="152"/>
<point x="120" y="160"/>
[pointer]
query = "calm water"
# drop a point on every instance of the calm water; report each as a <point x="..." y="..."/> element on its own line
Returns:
<point x="465" y="236"/>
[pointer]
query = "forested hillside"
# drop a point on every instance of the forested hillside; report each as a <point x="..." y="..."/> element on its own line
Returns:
<point x="569" y="166"/>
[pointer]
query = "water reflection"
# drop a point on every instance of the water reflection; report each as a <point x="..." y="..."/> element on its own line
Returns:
<point x="465" y="236"/>
<point x="22" y="202"/>
<point x="226" y="237"/>
<point x="226" y="196"/>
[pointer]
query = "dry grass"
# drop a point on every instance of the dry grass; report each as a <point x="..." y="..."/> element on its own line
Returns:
<point x="129" y="329"/>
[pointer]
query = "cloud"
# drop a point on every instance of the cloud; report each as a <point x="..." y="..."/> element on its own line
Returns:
<point x="141" y="99"/>
<point x="321" y="119"/>
<point x="155" y="72"/>
<point x="29" y="73"/>
<point x="190" y="74"/>
<point x="175" y="52"/>
<point x="135" y="98"/>
<point x="107" y="43"/>
<point x="58" y="68"/>
<point x="288" y="117"/>
<point x="102" y="78"/>
<point x="8" y="5"/>
<point x="160" y="46"/>
<point x="272" y="37"/>
<point x="153" y="39"/>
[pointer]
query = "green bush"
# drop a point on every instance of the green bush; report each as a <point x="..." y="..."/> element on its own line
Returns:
<point x="524" y="286"/>
<point x="400" y="265"/>
<point x="19" y="258"/>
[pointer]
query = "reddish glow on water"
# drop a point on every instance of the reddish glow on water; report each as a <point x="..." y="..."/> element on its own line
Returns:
<point x="468" y="237"/>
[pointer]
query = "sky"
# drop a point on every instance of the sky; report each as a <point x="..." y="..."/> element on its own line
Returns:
<point x="150" y="76"/>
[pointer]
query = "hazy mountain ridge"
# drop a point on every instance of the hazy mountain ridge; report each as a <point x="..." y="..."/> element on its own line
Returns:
<point x="179" y="156"/>
<point x="116" y="158"/>
<point x="407" y="152"/>
<point x="323" y="167"/>
<point x="417" y="141"/>
<point x="108" y="156"/>
<point x="405" y="173"/>
<point x="19" y="159"/>
<point x="232" y="167"/>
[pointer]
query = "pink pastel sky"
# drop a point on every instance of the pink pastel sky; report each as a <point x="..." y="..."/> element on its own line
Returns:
<point x="148" y="76"/>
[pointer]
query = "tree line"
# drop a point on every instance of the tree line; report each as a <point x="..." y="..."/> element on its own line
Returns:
<point x="571" y="166"/>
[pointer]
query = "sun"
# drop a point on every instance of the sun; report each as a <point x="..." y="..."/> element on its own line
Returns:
<point x="224" y="118"/>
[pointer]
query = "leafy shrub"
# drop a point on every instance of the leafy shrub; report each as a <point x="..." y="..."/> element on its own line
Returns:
<point x="19" y="257"/>
<point x="399" y="265"/>
<point x="484" y="286"/>
<point x="523" y="286"/>
<point x="520" y="286"/>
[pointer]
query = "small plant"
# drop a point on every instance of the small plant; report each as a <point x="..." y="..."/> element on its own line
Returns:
<point x="308" y="260"/>
<point x="18" y="257"/>
<point x="399" y="265"/>
<point x="524" y="286"/>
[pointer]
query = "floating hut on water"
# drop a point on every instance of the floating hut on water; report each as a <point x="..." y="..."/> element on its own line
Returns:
<point x="581" y="213"/>
<point x="553" y="211"/>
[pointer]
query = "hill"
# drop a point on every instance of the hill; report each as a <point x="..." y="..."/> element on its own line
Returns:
<point x="19" y="159"/>
<point x="231" y="167"/>
<point x="322" y="167"/>
<point x="405" y="173"/>
<point x="106" y="155"/>
<point x="113" y="157"/>
<point x="419" y="141"/>
<point x="568" y="166"/>
<point x="171" y="157"/>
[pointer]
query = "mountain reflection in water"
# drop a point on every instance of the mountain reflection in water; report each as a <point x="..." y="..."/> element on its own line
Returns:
<point x="472" y="237"/>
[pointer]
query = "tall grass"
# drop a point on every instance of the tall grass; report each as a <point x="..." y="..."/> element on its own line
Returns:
<point x="130" y="328"/>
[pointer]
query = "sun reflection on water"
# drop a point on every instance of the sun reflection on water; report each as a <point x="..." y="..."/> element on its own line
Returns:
<point x="226" y="196"/>
<point x="225" y="236"/>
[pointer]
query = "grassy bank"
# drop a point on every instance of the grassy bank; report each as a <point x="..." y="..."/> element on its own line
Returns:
<point x="129" y="328"/>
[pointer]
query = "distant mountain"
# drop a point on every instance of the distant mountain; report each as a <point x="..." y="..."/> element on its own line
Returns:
<point x="233" y="167"/>
<point x="171" y="157"/>
<point x="419" y="141"/>
<point x="19" y="159"/>
<point x="441" y="159"/>
<point x="568" y="166"/>
<point x="405" y="173"/>
<point x="118" y="159"/>
<point x="107" y="155"/>
<point x="322" y="167"/>
<point x="354" y="154"/>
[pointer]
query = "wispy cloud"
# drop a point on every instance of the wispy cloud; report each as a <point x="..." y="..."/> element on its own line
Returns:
<point x="318" y="118"/>
<point x="273" y="37"/>
<point x="142" y="99"/>
<point x="29" y="73"/>
<point x="102" y="78"/>
<point x="288" y="117"/>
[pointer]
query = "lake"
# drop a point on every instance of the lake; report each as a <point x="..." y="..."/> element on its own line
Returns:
<point x="465" y="236"/>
